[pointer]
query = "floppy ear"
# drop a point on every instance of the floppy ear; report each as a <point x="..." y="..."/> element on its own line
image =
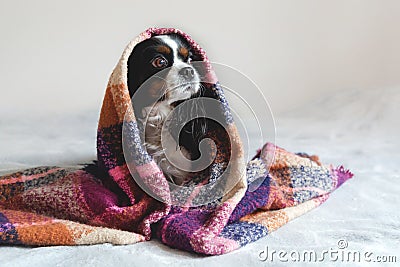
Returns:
<point x="196" y="57"/>
<point x="133" y="73"/>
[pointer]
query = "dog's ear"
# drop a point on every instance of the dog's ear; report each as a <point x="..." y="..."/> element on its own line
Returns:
<point x="195" y="56"/>
<point x="136" y="66"/>
<point x="133" y="74"/>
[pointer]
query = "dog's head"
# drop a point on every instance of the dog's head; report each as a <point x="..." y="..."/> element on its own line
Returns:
<point x="160" y="69"/>
<point x="162" y="65"/>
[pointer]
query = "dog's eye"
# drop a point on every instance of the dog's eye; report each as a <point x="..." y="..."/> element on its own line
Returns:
<point x="159" y="62"/>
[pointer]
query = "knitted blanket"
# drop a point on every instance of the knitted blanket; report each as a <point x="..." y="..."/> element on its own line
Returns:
<point x="104" y="203"/>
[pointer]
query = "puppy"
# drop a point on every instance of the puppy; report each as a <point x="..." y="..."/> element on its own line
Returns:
<point x="160" y="77"/>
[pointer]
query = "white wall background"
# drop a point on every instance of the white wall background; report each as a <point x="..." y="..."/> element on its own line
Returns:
<point x="57" y="55"/>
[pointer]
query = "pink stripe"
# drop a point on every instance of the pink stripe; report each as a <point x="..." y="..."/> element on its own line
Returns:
<point x="155" y="180"/>
<point x="321" y="199"/>
<point x="38" y="223"/>
<point x="120" y="172"/>
<point x="25" y="178"/>
<point x="194" y="193"/>
<point x="334" y="177"/>
<point x="148" y="169"/>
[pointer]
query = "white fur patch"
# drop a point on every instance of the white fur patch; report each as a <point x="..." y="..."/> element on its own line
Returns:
<point x="154" y="117"/>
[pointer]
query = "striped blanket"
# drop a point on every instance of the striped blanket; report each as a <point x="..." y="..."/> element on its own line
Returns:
<point x="103" y="202"/>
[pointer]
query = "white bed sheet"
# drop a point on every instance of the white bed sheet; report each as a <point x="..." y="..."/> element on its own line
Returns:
<point x="357" y="128"/>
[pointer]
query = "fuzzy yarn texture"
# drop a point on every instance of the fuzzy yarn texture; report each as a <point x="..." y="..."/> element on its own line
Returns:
<point x="102" y="203"/>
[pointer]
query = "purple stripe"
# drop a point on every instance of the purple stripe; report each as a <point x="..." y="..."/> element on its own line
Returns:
<point x="177" y="229"/>
<point x="251" y="201"/>
<point x="8" y="233"/>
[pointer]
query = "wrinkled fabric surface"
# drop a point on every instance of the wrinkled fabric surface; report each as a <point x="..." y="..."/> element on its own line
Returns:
<point x="101" y="203"/>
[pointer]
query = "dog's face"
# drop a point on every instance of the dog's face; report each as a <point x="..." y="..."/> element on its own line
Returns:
<point x="160" y="76"/>
<point x="165" y="59"/>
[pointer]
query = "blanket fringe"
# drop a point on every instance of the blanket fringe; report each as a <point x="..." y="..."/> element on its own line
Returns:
<point x="342" y="175"/>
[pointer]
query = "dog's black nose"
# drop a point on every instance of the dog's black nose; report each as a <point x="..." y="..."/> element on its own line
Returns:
<point x="187" y="72"/>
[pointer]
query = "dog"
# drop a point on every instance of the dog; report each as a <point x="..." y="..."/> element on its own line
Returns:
<point x="160" y="78"/>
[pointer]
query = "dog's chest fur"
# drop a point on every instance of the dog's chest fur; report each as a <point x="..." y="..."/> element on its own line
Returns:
<point x="154" y="120"/>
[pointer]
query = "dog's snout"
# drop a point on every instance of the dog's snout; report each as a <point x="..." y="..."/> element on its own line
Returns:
<point x="187" y="72"/>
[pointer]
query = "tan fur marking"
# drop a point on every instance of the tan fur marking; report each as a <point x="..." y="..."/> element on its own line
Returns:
<point x="184" y="52"/>
<point x="163" y="49"/>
